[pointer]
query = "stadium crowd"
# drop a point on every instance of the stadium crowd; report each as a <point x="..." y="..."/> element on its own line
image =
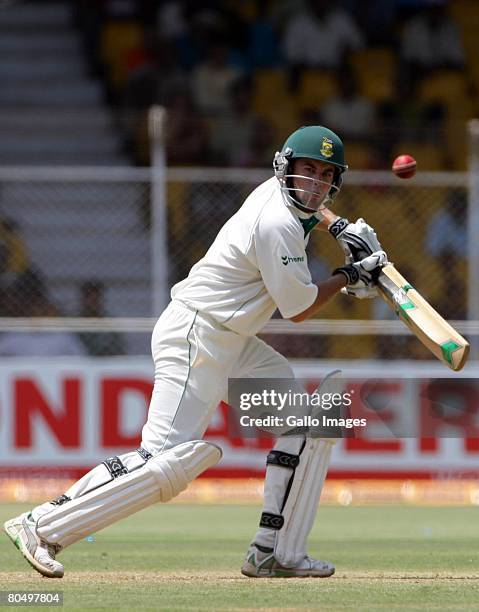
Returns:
<point x="236" y="77"/>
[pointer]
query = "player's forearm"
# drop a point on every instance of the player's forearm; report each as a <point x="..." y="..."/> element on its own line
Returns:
<point x="327" y="218"/>
<point x="326" y="290"/>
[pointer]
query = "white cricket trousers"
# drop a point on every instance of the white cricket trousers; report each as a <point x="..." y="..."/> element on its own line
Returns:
<point x="194" y="356"/>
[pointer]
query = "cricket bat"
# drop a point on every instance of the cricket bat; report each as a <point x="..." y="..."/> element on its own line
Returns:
<point x="427" y="325"/>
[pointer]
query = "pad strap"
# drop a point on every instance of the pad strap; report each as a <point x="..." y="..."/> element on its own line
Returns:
<point x="286" y="460"/>
<point x="100" y="504"/>
<point x="115" y="466"/>
<point x="289" y="461"/>
<point x="271" y="521"/>
<point x="144" y="454"/>
<point x="60" y="500"/>
<point x="337" y="227"/>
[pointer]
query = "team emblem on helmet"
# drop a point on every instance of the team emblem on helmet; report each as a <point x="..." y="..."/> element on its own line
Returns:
<point x="327" y="147"/>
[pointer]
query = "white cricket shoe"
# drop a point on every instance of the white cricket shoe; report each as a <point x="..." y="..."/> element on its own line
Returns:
<point x="41" y="555"/>
<point x="260" y="563"/>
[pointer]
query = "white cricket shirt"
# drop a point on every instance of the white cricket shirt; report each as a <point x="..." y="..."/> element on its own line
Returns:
<point x="256" y="264"/>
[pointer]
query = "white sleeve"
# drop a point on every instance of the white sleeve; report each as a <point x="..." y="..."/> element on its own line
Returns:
<point x="283" y="265"/>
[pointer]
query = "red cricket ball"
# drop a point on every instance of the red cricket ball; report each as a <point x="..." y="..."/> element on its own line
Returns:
<point x="404" y="166"/>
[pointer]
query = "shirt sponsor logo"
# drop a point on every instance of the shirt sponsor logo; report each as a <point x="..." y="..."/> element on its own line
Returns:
<point x="286" y="259"/>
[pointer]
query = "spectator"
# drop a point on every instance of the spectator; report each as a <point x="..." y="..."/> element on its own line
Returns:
<point x="203" y="221"/>
<point x="447" y="240"/>
<point x="171" y="20"/>
<point x="447" y="229"/>
<point x="152" y="82"/>
<point x="29" y="296"/>
<point x="257" y="153"/>
<point x="232" y="132"/>
<point x="5" y="307"/>
<point x="158" y="76"/>
<point x="452" y="303"/>
<point x="16" y="260"/>
<point x="92" y="305"/>
<point x="13" y="263"/>
<point x="348" y="113"/>
<point x="203" y="24"/>
<point x="121" y="9"/>
<point x="30" y="299"/>
<point x="405" y="117"/>
<point x="319" y="36"/>
<point x="406" y="7"/>
<point x="87" y="16"/>
<point x="431" y="40"/>
<point x="262" y="47"/>
<point x="212" y="79"/>
<point x="186" y="135"/>
<point x="375" y="18"/>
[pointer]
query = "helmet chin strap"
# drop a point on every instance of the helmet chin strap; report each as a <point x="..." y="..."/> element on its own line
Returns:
<point x="292" y="194"/>
<point x="306" y="209"/>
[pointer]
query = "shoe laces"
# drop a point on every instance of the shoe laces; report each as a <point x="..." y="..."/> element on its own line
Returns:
<point x="52" y="549"/>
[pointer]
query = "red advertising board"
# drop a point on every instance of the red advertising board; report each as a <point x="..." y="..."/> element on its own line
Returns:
<point x="64" y="415"/>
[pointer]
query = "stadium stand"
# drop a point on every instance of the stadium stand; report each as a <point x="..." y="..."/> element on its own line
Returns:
<point x="53" y="113"/>
<point x="78" y="79"/>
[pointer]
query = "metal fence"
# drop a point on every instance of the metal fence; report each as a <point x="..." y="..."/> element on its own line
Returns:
<point x="99" y="243"/>
<point x="422" y="224"/>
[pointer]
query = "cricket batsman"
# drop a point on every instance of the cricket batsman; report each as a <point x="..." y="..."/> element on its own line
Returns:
<point x="206" y="335"/>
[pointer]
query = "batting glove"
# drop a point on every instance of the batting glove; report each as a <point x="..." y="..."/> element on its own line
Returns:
<point x="362" y="275"/>
<point x="357" y="240"/>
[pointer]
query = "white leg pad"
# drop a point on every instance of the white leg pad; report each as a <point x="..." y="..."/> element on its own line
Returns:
<point x="158" y="480"/>
<point x="97" y="477"/>
<point x="295" y="474"/>
<point x="301" y="505"/>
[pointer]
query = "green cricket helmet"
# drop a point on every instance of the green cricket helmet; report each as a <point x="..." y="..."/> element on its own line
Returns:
<point x="313" y="142"/>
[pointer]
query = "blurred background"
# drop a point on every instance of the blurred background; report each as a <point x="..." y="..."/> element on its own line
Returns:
<point x="105" y="204"/>
<point x="78" y="79"/>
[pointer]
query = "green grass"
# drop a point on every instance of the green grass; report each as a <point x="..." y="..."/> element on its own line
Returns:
<point x="177" y="557"/>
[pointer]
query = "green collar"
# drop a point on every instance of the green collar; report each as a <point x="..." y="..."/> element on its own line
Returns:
<point x="308" y="224"/>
